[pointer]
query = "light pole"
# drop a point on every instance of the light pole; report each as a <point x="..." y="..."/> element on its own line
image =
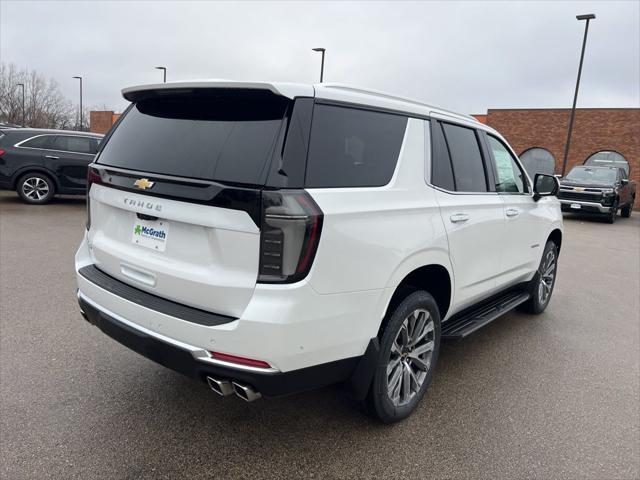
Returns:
<point x="164" y="72"/>
<point x="80" y="78"/>
<point x="587" y="17"/>
<point x="320" y="49"/>
<point x="22" y="85"/>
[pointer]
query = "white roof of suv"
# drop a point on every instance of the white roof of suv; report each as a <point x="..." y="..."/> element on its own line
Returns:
<point x="328" y="91"/>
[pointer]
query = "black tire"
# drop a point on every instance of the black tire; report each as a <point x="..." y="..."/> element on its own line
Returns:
<point x="613" y="214"/>
<point x="35" y="188"/>
<point x="626" y="211"/>
<point x="379" y="402"/>
<point x="538" y="302"/>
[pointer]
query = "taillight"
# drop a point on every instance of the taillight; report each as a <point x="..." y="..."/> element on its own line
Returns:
<point x="93" y="176"/>
<point x="289" y="237"/>
<point x="2" y="152"/>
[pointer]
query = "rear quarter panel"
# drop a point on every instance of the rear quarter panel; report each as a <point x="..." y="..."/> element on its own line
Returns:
<point x="17" y="161"/>
<point x="373" y="237"/>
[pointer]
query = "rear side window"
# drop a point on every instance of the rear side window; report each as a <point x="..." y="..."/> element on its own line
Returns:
<point x="353" y="148"/>
<point x="466" y="159"/>
<point x="441" y="172"/>
<point x="226" y="136"/>
<point x="42" y="141"/>
<point x="75" y="144"/>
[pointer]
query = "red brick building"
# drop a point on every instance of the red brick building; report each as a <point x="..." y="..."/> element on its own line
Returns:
<point x="594" y="130"/>
<point x="101" y="121"/>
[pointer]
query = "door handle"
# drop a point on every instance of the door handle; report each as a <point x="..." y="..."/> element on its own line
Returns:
<point x="512" y="212"/>
<point x="51" y="157"/>
<point x="459" y="217"/>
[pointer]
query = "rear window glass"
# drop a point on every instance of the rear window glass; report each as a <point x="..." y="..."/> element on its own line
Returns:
<point x="353" y="148"/>
<point x="41" y="141"/>
<point x="224" y="136"/>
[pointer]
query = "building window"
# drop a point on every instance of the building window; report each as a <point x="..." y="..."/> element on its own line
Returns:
<point x="608" y="158"/>
<point x="538" y="160"/>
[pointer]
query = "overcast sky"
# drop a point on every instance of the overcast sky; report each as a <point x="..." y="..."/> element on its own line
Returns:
<point x="467" y="56"/>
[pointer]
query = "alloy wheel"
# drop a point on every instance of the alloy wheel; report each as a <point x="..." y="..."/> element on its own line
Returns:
<point x="547" y="276"/>
<point x="410" y="357"/>
<point x="35" y="188"/>
<point x="613" y="213"/>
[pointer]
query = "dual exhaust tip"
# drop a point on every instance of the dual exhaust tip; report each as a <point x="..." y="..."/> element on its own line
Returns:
<point x="225" y="388"/>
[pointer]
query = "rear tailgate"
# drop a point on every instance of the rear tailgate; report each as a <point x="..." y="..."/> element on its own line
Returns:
<point x="175" y="199"/>
<point x="203" y="256"/>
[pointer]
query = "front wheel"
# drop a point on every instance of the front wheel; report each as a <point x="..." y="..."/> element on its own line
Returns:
<point x="408" y="353"/>
<point x="543" y="281"/>
<point x="613" y="213"/>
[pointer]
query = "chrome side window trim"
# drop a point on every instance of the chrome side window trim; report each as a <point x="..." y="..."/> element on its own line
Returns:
<point x="444" y="190"/>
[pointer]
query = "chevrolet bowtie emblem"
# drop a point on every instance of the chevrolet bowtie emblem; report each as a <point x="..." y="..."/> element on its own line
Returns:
<point x="143" y="183"/>
<point x="577" y="189"/>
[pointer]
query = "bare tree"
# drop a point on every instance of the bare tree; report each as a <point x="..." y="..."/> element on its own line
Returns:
<point x="45" y="106"/>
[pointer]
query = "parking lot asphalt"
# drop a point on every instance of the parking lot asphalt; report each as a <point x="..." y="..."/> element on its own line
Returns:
<point x="552" y="396"/>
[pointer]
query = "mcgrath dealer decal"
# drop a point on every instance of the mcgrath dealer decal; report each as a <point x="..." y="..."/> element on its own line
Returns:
<point x="151" y="234"/>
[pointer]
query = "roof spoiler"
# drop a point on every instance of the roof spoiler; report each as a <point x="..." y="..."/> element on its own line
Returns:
<point x="288" y="90"/>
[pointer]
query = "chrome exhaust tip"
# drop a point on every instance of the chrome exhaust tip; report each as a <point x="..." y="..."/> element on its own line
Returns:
<point x="245" y="392"/>
<point x="221" y="387"/>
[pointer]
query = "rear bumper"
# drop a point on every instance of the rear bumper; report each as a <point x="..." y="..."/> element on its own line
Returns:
<point x="195" y="362"/>
<point x="588" y="207"/>
<point x="310" y="340"/>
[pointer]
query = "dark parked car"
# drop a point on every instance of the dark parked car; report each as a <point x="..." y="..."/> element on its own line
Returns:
<point x="597" y="190"/>
<point x="40" y="163"/>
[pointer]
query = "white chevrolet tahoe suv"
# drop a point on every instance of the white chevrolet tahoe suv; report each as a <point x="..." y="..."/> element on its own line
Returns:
<point x="269" y="238"/>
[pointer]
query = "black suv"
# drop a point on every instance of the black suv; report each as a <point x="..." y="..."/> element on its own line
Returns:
<point x="40" y="163"/>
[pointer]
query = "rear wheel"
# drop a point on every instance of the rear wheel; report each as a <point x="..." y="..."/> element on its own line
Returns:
<point x="543" y="281"/>
<point x="35" y="188"/>
<point x="408" y="354"/>
<point x="626" y="211"/>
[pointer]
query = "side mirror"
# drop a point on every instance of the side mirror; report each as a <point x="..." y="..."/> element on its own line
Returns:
<point x="624" y="181"/>
<point x="545" y="186"/>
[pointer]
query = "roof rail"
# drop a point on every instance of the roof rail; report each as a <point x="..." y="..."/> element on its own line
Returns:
<point x="377" y="93"/>
<point x="447" y="113"/>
